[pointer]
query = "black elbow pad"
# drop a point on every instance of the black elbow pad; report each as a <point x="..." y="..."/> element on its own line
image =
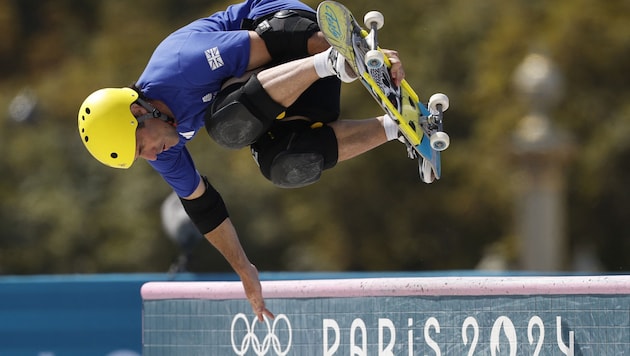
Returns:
<point x="207" y="211"/>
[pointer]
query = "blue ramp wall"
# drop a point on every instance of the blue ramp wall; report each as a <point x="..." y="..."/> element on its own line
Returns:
<point x="72" y="315"/>
<point x="84" y="315"/>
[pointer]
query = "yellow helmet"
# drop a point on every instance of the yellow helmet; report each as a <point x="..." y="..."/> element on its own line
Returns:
<point x="108" y="128"/>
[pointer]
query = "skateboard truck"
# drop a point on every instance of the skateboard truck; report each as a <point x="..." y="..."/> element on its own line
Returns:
<point x="438" y="103"/>
<point x="374" y="58"/>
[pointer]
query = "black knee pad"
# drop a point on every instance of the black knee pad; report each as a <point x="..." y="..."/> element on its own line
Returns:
<point x="293" y="154"/>
<point x="286" y="34"/>
<point x="296" y="170"/>
<point x="241" y="113"/>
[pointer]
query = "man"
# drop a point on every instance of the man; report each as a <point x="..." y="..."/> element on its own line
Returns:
<point x="259" y="73"/>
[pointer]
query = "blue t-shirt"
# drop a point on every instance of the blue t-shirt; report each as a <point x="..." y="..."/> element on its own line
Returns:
<point x="186" y="71"/>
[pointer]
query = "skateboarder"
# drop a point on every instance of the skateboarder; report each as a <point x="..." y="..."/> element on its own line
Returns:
<point x="258" y="74"/>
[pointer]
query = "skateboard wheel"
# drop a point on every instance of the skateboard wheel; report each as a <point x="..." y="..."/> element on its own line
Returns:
<point x="425" y="170"/>
<point x="374" y="59"/>
<point x="374" y="17"/>
<point x="440" y="141"/>
<point x="436" y="100"/>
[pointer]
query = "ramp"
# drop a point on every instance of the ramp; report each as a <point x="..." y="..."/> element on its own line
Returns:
<point x="573" y="315"/>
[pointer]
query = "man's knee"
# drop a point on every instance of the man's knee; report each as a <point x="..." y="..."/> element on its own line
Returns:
<point x="241" y="113"/>
<point x="296" y="169"/>
<point x="294" y="154"/>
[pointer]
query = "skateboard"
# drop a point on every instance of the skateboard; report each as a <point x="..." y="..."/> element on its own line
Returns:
<point x="421" y="125"/>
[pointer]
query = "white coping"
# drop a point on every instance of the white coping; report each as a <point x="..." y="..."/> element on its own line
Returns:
<point x="390" y="287"/>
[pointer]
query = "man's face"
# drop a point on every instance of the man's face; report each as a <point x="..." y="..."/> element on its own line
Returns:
<point x="153" y="136"/>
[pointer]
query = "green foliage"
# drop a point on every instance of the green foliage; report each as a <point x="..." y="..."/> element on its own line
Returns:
<point x="62" y="212"/>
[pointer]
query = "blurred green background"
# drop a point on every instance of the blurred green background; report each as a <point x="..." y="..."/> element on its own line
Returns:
<point x="63" y="212"/>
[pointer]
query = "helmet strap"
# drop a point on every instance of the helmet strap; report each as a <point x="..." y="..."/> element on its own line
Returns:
<point x="153" y="113"/>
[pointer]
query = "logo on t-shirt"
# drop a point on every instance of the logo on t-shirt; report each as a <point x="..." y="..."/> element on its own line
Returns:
<point x="214" y="58"/>
<point x="188" y="135"/>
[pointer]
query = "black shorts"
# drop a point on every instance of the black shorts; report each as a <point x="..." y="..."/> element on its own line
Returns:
<point x="320" y="102"/>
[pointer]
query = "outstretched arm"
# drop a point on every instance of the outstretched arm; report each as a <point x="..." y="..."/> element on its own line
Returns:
<point x="225" y="240"/>
<point x="205" y="208"/>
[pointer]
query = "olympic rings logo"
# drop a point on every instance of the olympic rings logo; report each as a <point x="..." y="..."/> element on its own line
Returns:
<point x="251" y="339"/>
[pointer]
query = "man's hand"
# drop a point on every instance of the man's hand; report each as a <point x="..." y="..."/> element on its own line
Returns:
<point x="224" y="239"/>
<point x="397" y="72"/>
<point x="253" y="291"/>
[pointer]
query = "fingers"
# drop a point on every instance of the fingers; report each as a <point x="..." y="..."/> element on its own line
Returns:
<point x="397" y="71"/>
<point x="265" y="312"/>
<point x="258" y="305"/>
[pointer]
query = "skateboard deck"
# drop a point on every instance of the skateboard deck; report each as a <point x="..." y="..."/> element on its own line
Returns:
<point x="416" y="122"/>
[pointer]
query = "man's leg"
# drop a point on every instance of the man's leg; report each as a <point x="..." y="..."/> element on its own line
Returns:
<point x="286" y="82"/>
<point x="294" y="153"/>
<point x="355" y="137"/>
<point x="247" y="108"/>
<point x="244" y="111"/>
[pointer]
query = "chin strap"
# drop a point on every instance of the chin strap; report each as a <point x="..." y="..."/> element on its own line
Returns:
<point x="154" y="113"/>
